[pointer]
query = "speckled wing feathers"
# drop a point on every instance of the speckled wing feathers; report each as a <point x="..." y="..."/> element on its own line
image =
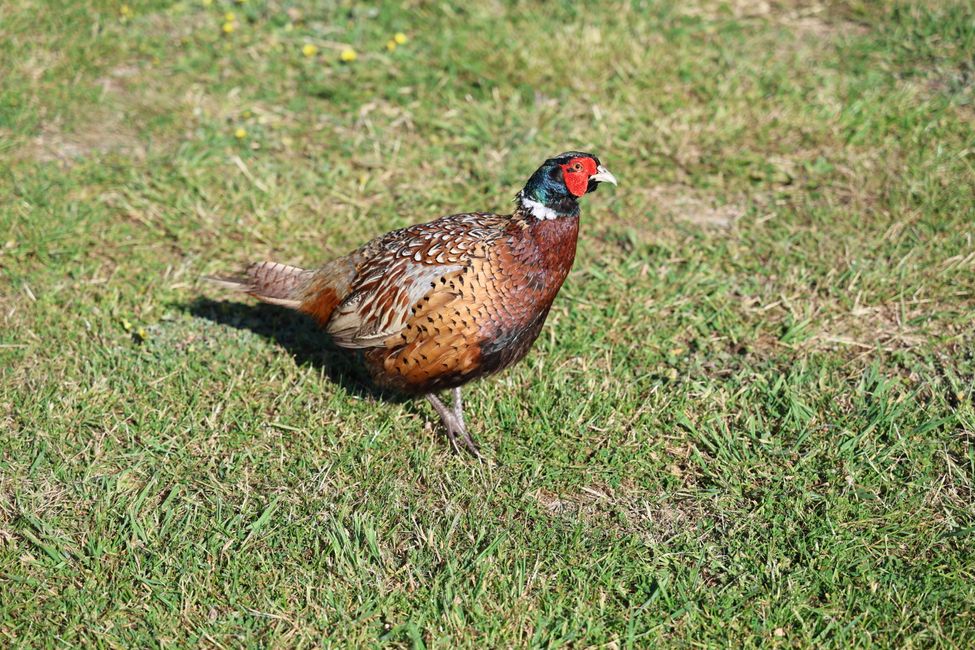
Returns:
<point x="401" y="271"/>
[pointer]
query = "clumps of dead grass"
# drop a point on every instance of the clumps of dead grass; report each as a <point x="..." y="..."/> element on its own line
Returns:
<point x="627" y="510"/>
<point x="100" y="136"/>
<point x="820" y="20"/>
<point x="827" y="325"/>
<point x="105" y="130"/>
<point x="686" y="204"/>
<point x="884" y="327"/>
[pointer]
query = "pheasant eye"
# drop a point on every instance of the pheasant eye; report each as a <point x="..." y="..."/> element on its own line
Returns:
<point x="577" y="167"/>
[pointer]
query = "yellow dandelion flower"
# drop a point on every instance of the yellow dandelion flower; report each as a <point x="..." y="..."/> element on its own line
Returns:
<point x="390" y="45"/>
<point x="230" y="16"/>
<point x="309" y="50"/>
<point x="348" y="55"/>
<point x="125" y="10"/>
<point x="240" y="133"/>
<point x="400" y="38"/>
<point x="206" y="3"/>
<point x="228" y="28"/>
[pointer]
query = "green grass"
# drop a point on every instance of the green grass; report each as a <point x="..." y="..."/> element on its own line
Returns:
<point x="748" y="420"/>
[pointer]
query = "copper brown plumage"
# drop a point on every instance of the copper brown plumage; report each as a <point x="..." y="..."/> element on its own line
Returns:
<point x="436" y="305"/>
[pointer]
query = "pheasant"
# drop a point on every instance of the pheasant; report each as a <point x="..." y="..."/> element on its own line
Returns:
<point x="436" y="305"/>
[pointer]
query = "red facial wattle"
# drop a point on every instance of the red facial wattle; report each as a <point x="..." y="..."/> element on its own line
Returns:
<point x="576" y="174"/>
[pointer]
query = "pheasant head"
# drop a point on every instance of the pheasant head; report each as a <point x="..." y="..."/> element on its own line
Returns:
<point x="555" y="187"/>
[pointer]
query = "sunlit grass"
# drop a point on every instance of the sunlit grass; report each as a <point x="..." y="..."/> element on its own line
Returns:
<point x="748" y="420"/>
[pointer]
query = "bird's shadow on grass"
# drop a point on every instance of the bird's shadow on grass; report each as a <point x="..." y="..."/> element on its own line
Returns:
<point x="300" y="335"/>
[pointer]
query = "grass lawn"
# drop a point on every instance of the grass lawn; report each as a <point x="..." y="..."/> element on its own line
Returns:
<point x="748" y="421"/>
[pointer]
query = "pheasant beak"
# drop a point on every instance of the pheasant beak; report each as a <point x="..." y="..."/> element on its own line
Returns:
<point x="603" y="175"/>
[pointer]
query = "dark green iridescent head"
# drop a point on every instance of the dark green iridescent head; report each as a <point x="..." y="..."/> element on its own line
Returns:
<point x="560" y="181"/>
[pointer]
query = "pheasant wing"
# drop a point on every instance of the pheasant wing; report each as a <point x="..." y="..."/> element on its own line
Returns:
<point x="405" y="268"/>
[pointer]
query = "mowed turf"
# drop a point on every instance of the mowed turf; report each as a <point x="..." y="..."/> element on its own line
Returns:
<point x="748" y="420"/>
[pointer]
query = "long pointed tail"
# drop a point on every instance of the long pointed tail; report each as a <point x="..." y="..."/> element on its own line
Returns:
<point x="278" y="284"/>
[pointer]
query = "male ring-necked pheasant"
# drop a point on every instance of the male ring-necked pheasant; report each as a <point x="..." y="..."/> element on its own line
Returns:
<point x="435" y="305"/>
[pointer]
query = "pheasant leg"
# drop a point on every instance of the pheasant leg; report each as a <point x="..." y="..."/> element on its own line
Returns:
<point x="459" y="408"/>
<point x="465" y="437"/>
<point x="453" y="422"/>
<point x="446" y="416"/>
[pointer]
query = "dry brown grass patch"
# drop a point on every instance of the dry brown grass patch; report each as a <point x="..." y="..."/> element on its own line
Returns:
<point x="626" y="509"/>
